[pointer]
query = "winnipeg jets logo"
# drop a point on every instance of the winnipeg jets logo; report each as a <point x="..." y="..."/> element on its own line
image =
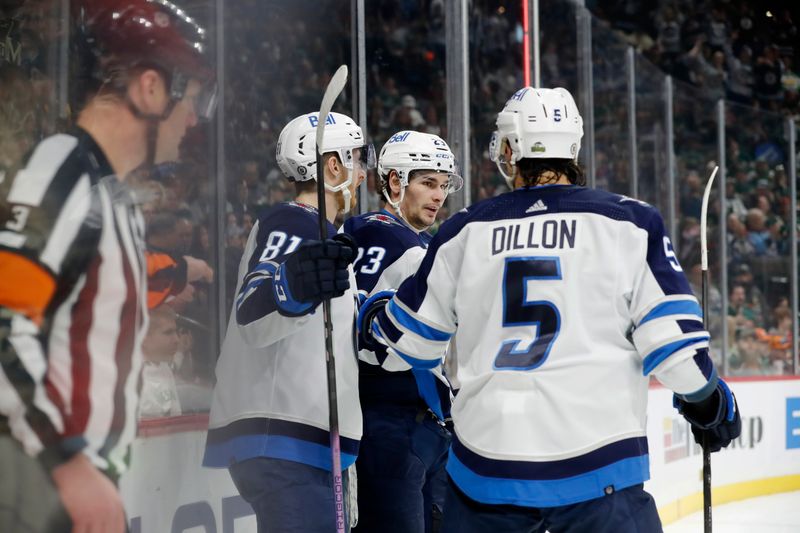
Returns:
<point x="382" y="218"/>
<point x="629" y="199"/>
<point x="537" y="206"/>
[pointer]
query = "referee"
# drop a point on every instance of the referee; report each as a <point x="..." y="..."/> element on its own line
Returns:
<point x="73" y="297"/>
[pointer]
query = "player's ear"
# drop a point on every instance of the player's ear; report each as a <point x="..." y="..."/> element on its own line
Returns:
<point x="148" y="91"/>
<point x="334" y="167"/>
<point x="394" y="182"/>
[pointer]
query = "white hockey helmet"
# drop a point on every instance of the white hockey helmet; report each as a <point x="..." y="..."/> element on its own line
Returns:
<point x="296" y="149"/>
<point x="538" y="124"/>
<point x="407" y="151"/>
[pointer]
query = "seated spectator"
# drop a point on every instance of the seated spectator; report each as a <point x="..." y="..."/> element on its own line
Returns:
<point x="747" y="356"/>
<point x="159" y="395"/>
<point x="692" y="195"/>
<point x="755" y="302"/>
<point x="194" y="390"/>
<point x="736" y="204"/>
<point x="742" y="315"/>
<point x="758" y="234"/>
<point x="740" y="248"/>
<point x="779" y="342"/>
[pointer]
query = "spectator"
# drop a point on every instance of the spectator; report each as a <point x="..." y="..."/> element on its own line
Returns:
<point x="740" y="77"/>
<point x="758" y="234"/>
<point x="767" y="72"/>
<point x="748" y="355"/>
<point x="159" y="396"/>
<point x="740" y="248"/>
<point x="754" y="297"/>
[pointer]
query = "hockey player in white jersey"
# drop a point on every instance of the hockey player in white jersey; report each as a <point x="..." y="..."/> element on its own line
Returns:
<point x="269" y="414"/>
<point x="563" y="301"/>
<point x="401" y="462"/>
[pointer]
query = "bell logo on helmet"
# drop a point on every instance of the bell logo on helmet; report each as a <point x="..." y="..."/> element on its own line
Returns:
<point x="538" y="148"/>
<point x="314" y="120"/>
<point x="398" y="137"/>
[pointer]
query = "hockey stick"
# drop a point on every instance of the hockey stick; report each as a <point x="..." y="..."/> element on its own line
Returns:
<point x="335" y="87"/>
<point x="704" y="273"/>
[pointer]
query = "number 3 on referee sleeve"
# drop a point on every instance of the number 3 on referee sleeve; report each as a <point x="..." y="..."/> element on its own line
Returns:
<point x="518" y="311"/>
<point x="19" y="218"/>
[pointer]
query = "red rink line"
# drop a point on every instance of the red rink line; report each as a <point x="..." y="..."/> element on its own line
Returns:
<point x="157" y="427"/>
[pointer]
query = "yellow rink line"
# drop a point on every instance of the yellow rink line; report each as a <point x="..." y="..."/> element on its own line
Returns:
<point x="693" y="503"/>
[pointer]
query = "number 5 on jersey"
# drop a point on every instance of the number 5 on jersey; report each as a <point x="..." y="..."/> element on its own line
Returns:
<point x="519" y="311"/>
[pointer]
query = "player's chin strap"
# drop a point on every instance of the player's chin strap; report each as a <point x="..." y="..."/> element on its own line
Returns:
<point x="501" y="166"/>
<point x="396" y="205"/>
<point x="344" y="188"/>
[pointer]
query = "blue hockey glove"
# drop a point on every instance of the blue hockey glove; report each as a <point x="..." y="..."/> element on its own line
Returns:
<point x="367" y="311"/>
<point x="316" y="271"/>
<point x="717" y="417"/>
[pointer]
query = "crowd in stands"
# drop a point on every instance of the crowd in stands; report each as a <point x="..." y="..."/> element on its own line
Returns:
<point x="278" y="59"/>
<point x="737" y="49"/>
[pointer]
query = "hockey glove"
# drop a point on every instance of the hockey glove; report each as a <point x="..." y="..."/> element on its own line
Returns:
<point x="371" y="307"/>
<point x="316" y="271"/>
<point x="717" y="417"/>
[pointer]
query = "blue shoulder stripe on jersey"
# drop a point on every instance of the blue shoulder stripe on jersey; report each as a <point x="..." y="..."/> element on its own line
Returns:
<point x="279" y="439"/>
<point x="549" y="493"/>
<point x="656" y="357"/>
<point x="681" y="307"/>
<point x="416" y="326"/>
<point x="413" y="361"/>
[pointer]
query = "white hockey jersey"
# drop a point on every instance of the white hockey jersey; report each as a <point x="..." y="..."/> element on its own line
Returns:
<point x="271" y="396"/>
<point x="563" y="301"/>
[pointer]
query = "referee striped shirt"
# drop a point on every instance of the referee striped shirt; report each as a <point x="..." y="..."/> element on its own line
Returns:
<point x="73" y="304"/>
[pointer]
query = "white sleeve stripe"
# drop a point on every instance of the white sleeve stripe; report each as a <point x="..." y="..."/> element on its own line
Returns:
<point x="646" y="351"/>
<point x="33" y="181"/>
<point x="68" y="224"/>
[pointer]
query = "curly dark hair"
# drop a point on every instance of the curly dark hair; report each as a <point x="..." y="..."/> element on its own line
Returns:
<point x="532" y="169"/>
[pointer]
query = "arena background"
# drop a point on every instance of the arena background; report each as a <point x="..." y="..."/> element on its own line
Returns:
<point x="667" y="89"/>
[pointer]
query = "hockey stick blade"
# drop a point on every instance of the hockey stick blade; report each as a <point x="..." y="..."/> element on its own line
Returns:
<point x="703" y="221"/>
<point x="335" y="87"/>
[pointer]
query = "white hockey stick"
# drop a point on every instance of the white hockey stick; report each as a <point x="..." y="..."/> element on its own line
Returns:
<point x="704" y="273"/>
<point x="335" y="87"/>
